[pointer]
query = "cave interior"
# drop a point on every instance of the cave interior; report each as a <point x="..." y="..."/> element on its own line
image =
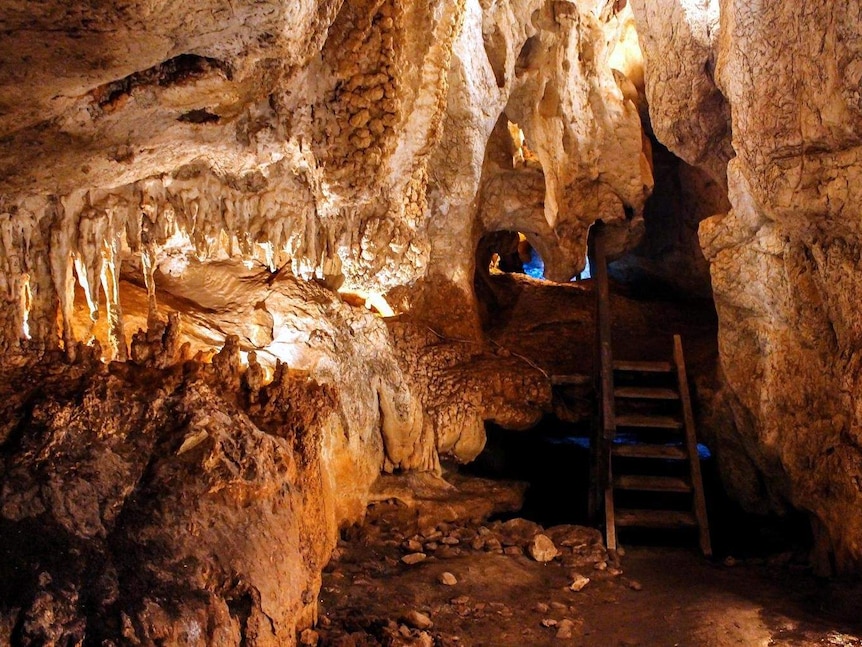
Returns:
<point x="311" y="308"/>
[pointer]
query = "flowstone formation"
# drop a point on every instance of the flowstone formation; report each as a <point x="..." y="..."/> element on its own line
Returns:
<point x="165" y="501"/>
<point x="208" y="217"/>
<point x="785" y="258"/>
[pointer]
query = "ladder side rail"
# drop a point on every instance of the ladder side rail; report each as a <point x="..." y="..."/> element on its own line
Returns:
<point x="691" y="445"/>
<point x="606" y="378"/>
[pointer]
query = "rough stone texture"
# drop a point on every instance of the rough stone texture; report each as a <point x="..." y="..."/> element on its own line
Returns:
<point x="462" y="384"/>
<point x="510" y="601"/>
<point x="688" y="113"/>
<point x="433" y="499"/>
<point x="267" y="145"/>
<point x="572" y="107"/>
<point x="785" y="260"/>
<point x="560" y="71"/>
<point x="150" y="505"/>
<point x="169" y="83"/>
<point x="340" y="139"/>
<point x="542" y="549"/>
<point x="238" y="162"/>
<point x="312" y="330"/>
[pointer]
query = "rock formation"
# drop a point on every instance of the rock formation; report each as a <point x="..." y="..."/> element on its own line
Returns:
<point x="784" y="258"/>
<point x="144" y="504"/>
<point x="688" y="113"/>
<point x="237" y="163"/>
<point x="282" y="174"/>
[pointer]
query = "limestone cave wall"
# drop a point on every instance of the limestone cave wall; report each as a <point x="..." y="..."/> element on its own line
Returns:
<point x="203" y="213"/>
<point x="780" y="81"/>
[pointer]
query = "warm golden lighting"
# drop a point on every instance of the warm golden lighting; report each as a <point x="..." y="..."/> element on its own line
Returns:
<point x="626" y="56"/>
<point x="376" y="301"/>
<point x="26" y="304"/>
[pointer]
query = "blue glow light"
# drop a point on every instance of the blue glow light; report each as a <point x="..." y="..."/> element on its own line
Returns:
<point x="536" y="266"/>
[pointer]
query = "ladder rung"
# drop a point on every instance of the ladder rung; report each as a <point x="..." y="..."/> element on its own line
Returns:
<point x="640" y="450"/>
<point x="576" y="379"/>
<point x="643" y="367"/>
<point x="643" y="420"/>
<point x="651" y="483"/>
<point x="646" y="393"/>
<point x="655" y="518"/>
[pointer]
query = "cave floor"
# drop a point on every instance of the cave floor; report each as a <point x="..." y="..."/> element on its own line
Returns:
<point x="502" y="597"/>
<point x="478" y="584"/>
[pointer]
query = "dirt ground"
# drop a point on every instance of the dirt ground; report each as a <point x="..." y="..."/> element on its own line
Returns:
<point x="479" y="585"/>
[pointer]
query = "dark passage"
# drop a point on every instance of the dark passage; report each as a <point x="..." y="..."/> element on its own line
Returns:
<point x="553" y="458"/>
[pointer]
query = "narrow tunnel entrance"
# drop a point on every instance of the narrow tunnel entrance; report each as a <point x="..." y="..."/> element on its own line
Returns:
<point x="509" y="251"/>
<point x="506" y="262"/>
<point x="658" y="288"/>
<point x="512" y="252"/>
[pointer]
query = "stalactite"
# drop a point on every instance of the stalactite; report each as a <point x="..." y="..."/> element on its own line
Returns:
<point x="133" y="221"/>
<point x="111" y="286"/>
<point x="148" y="262"/>
<point x="92" y="229"/>
<point x="26" y="301"/>
<point x="13" y="281"/>
<point x="86" y="236"/>
<point x="149" y="237"/>
<point x="34" y="219"/>
<point x="63" y="276"/>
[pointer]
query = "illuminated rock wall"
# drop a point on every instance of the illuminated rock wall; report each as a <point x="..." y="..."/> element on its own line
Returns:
<point x="785" y="259"/>
<point x="177" y="179"/>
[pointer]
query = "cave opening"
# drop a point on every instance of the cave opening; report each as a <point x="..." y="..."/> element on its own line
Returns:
<point x="511" y="252"/>
<point x="659" y="286"/>
<point x="504" y="259"/>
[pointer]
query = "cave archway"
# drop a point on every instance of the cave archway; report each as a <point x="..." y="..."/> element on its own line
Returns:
<point x="509" y="251"/>
<point x="499" y="253"/>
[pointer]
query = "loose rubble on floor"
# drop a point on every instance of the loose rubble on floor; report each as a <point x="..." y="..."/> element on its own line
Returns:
<point x="429" y="573"/>
<point x="461" y="565"/>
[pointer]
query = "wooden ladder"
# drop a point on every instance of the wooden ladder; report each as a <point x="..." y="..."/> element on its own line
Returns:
<point x="646" y="446"/>
<point x="655" y="450"/>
